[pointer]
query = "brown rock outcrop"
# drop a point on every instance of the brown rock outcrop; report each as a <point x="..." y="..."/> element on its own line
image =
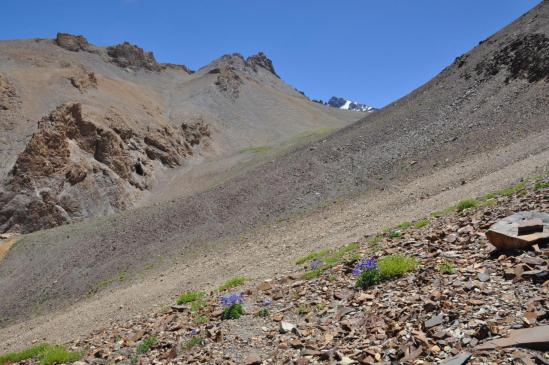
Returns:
<point x="7" y="94"/>
<point x="83" y="81"/>
<point x="228" y="81"/>
<point x="72" y="42"/>
<point x="127" y="55"/>
<point x="261" y="60"/>
<point x="79" y="164"/>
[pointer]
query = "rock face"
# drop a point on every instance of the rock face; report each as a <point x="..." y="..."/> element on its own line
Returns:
<point x="228" y="81"/>
<point x="513" y="232"/>
<point x="72" y="42"/>
<point x="83" y="81"/>
<point x="76" y="166"/>
<point x="7" y="94"/>
<point x="261" y="60"/>
<point x="526" y="57"/>
<point x="127" y="55"/>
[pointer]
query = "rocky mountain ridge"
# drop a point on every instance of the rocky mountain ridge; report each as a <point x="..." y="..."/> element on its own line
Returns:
<point x="148" y="117"/>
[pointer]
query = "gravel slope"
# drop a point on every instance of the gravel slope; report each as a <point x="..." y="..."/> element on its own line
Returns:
<point x="477" y="105"/>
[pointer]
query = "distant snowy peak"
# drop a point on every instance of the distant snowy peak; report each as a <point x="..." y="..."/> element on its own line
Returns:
<point x="342" y="103"/>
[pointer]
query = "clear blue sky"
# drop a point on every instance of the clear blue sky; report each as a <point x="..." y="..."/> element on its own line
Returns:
<point x="369" y="51"/>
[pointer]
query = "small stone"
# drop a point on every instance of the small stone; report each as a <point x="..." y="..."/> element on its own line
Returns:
<point x="434" y="321"/>
<point x="286" y="327"/>
<point x="264" y="286"/>
<point x="459" y="359"/>
<point x="483" y="276"/>
<point x="253" y="359"/>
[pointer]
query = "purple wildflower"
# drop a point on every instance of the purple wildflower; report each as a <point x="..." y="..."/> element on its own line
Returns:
<point x="364" y="265"/>
<point x="194" y="331"/>
<point x="315" y="264"/>
<point x="228" y="301"/>
<point x="267" y="302"/>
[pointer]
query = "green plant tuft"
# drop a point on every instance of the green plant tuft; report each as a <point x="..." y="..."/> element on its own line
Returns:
<point x="192" y="342"/>
<point x="542" y="186"/>
<point x="421" y="223"/>
<point x="232" y="283"/>
<point x="368" y="278"/>
<point x="58" y="355"/>
<point x="146" y="345"/>
<point x="235" y="311"/>
<point x="313" y="274"/>
<point x="393" y="266"/>
<point x="263" y="312"/>
<point x="45" y="353"/>
<point x="312" y="256"/>
<point x="202" y="319"/>
<point x="404" y="225"/>
<point x="466" y="204"/>
<point x="446" y="267"/>
<point x="190" y="296"/>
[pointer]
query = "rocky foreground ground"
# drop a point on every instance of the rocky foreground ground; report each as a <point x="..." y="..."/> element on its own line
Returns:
<point x="463" y="295"/>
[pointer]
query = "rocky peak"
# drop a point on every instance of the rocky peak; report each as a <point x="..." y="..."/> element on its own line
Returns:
<point x="131" y="56"/>
<point x="72" y="42"/>
<point x="261" y="60"/>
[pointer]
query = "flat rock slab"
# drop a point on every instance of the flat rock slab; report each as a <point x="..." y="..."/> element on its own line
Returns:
<point x="504" y="234"/>
<point x="459" y="359"/>
<point x="535" y="338"/>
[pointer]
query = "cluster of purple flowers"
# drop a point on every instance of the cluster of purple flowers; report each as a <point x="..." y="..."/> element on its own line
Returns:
<point x="228" y="301"/>
<point x="315" y="264"/>
<point x="367" y="263"/>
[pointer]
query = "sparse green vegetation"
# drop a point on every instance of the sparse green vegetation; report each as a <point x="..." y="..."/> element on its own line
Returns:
<point x="189" y="297"/>
<point x="368" y="278"/>
<point x="512" y="190"/>
<point x="542" y="186"/>
<point x="404" y="225"/>
<point x="337" y="256"/>
<point x="446" y="267"/>
<point x="312" y="256"/>
<point x="489" y="196"/>
<point x="146" y="345"/>
<point x="421" y="223"/>
<point x="45" y="353"/>
<point x="201" y="319"/>
<point x="370" y="271"/>
<point x="232" y="283"/>
<point x="312" y="274"/>
<point x="466" y="204"/>
<point x="122" y="275"/>
<point x="197" y="305"/>
<point x="393" y="266"/>
<point x="303" y="309"/>
<point x="58" y="355"/>
<point x="192" y="342"/>
<point x="263" y="312"/>
<point x="235" y="311"/>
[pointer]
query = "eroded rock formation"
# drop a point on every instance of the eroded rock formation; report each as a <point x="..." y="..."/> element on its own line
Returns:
<point x="131" y="56"/>
<point x="72" y="42"/>
<point x="79" y="164"/>
<point x="7" y="94"/>
<point x="228" y="81"/>
<point x="83" y="81"/>
<point x="261" y="60"/>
